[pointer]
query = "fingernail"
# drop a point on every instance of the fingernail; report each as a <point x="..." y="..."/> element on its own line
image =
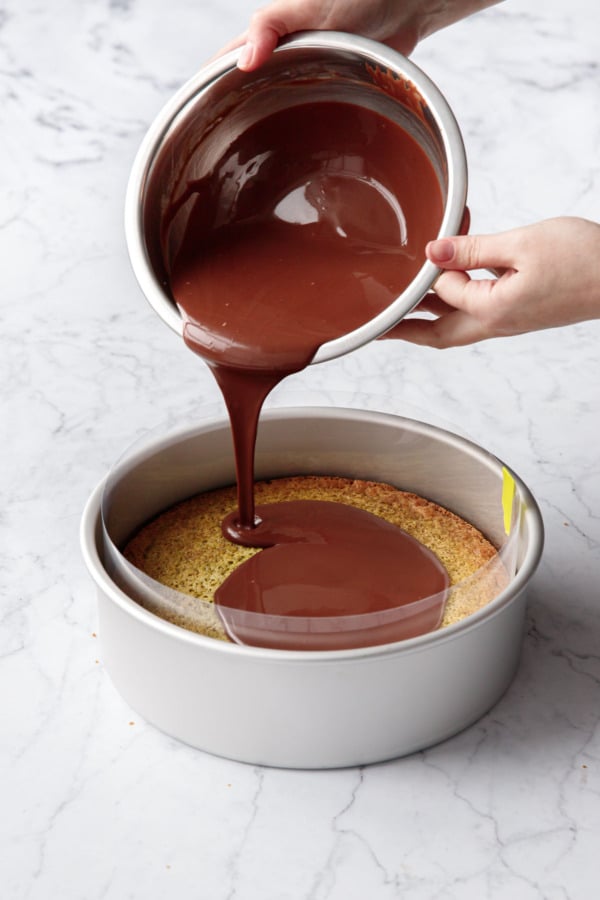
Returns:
<point x="440" y="251"/>
<point x="246" y="56"/>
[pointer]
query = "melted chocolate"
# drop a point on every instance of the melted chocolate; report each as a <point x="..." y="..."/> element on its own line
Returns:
<point x="313" y="221"/>
<point x="325" y="561"/>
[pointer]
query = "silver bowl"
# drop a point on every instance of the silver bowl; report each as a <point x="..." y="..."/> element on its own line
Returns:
<point x="208" y="112"/>
<point x="313" y="709"/>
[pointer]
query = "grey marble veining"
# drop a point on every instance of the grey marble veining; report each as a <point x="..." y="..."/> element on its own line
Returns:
<point x="98" y="805"/>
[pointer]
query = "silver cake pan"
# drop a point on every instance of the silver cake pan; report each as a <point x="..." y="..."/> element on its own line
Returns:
<point x="318" y="709"/>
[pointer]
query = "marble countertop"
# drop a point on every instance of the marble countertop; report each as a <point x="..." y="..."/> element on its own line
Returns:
<point x="95" y="802"/>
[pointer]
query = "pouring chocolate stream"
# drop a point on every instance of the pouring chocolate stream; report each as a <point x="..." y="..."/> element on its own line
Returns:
<point x="325" y="209"/>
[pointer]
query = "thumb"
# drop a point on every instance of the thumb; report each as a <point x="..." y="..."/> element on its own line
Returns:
<point x="471" y="252"/>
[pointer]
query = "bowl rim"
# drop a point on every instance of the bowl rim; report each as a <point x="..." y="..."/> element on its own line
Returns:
<point x="375" y="53"/>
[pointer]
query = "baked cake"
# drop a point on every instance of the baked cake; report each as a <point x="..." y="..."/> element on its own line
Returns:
<point x="185" y="550"/>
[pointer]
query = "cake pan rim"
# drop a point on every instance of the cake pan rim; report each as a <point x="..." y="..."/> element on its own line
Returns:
<point x="95" y="565"/>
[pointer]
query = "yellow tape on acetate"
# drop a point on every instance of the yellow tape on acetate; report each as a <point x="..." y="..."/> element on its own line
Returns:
<point x="508" y="496"/>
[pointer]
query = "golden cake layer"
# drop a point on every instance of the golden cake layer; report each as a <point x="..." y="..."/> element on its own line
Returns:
<point x="184" y="549"/>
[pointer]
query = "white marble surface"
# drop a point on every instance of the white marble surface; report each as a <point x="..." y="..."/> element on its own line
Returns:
<point x="94" y="802"/>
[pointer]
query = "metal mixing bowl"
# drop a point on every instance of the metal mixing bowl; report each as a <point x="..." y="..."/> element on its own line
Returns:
<point x="206" y="114"/>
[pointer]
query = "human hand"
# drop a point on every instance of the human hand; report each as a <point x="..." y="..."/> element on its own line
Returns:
<point x="548" y="276"/>
<point x="401" y="25"/>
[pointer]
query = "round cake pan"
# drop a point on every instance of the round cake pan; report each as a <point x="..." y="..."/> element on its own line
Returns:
<point x="314" y="709"/>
